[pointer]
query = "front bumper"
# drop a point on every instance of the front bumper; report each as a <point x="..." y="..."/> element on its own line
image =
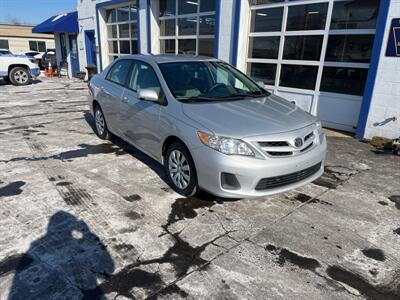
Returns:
<point x="210" y="164"/>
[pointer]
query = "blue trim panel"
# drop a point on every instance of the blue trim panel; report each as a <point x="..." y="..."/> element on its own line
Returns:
<point x="59" y="23"/>
<point x="373" y="68"/>
<point x="34" y="71"/>
<point x="218" y="18"/>
<point x="236" y="27"/>
<point x="110" y="3"/>
<point x="148" y="12"/>
<point x="138" y="26"/>
<point x="88" y="43"/>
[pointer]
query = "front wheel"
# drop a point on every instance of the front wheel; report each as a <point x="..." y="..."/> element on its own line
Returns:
<point x="20" y="76"/>
<point x="180" y="169"/>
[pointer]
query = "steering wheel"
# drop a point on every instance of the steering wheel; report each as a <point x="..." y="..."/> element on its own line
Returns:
<point x="215" y="86"/>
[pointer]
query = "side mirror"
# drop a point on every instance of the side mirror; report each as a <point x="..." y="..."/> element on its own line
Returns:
<point x="148" y="95"/>
<point x="261" y="84"/>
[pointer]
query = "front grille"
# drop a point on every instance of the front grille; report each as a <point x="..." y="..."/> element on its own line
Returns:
<point x="281" y="153"/>
<point x="308" y="147"/>
<point x="278" y="181"/>
<point x="273" y="144"/>
<point x="309" y="136"/>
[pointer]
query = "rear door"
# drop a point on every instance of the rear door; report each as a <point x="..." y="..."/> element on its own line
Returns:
<point x="140" y="119"/>
<point x="111" y="90"/>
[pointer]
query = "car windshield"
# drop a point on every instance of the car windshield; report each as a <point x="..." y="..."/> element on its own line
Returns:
<point x="199" y="81"/>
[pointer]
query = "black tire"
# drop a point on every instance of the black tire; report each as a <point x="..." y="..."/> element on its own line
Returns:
<point x="20" y="76"/>
<point x="191" y="177"/>
<point x="101" y="131"/>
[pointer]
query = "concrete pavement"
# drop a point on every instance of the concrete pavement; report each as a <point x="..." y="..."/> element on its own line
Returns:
<point x="81" y="218"/>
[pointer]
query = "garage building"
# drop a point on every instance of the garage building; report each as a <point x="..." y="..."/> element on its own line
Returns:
<point x="334" y="58"/>
<point x="19" y="38"/>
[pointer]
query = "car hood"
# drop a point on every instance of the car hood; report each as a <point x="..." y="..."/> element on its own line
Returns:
<point x="252" y="117"/>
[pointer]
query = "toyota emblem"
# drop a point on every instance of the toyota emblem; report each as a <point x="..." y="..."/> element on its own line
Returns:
<point x="298" y="142"/>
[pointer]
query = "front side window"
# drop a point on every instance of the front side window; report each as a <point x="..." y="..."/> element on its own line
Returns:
<point x="187" y="27"/>
<point x="208" y="81"/>
<point x="143" y="77"/>
<point x="119" y="72"/>
<point x="122" y="33"/>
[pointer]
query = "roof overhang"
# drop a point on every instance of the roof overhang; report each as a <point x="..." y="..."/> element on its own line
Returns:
<point x="67" y="22"/>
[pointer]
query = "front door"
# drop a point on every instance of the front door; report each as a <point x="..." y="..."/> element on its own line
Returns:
<point x="139" y="119"/>
<point x="73" y="51"/>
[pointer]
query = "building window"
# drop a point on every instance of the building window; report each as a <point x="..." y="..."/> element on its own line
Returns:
<point x="303" y="47"/>
<point x="349" y="48"/>
<point x="37" y="46"/>
<point x="122" y="32"/>
<point x="300" y="77"/>
<point x="344" y="80"/>
<point x="307" y="17"/>
<point x="187" y="27"/>
<point x="355" y="14"/>
<point x="297" y="45"/>
<point x="4" y="45"/>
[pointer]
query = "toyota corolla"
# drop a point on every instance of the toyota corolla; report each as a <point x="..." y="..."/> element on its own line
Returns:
<point x="211" y="126"/>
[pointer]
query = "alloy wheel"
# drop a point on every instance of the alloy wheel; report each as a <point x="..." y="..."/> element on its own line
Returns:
<point x="179" y="169"/>
<point x="21" y="76"/>
<point x="100" y="124"/>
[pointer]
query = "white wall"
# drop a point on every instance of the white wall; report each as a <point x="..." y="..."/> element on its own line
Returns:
<point x="386" y="95"/>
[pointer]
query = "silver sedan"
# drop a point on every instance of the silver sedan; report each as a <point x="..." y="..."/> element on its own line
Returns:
<point x="210" y="125"/>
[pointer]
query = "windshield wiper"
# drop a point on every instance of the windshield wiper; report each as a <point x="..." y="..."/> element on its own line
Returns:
<point x="241" y="95"/>
<point x="195" y="99"/>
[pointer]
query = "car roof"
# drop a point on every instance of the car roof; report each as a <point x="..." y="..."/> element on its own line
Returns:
<point x="168" y="58"/>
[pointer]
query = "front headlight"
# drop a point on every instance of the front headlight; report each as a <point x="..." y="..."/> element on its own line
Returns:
<point x="225" y="145"/>
<point x="318" y="124"/>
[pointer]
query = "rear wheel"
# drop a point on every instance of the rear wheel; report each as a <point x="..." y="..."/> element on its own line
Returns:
<point x="100" y="123"/>
<point x="180" y="169"/>
<point x="20" y="76"/>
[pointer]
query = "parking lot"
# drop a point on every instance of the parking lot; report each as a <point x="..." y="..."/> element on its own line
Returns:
<point x="85" y="218"/>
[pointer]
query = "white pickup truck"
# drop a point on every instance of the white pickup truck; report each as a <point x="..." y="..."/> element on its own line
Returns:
<point x="19" y="70"/>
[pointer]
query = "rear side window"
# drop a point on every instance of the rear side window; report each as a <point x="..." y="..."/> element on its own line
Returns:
<point x="119" y="72"/>
<point x="143" y="77"/>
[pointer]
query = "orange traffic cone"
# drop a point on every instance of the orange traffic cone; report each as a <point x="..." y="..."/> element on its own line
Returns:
<point x="50" y="69"/>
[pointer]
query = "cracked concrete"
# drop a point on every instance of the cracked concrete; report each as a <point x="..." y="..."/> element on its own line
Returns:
<point x="84" y="219"/>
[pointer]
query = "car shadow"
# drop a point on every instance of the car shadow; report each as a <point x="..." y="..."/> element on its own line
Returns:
<point x="152" y="163"/>
<point x="3" y="82"/>
<point x="63" y="263"/>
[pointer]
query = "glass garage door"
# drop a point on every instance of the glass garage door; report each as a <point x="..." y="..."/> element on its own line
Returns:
<point x="316" y="53"/>
<point x="187" y="27"/>
<point x="122" y="33"/>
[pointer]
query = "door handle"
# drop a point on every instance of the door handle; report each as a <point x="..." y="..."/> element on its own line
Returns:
<point x="125" y="99"/>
